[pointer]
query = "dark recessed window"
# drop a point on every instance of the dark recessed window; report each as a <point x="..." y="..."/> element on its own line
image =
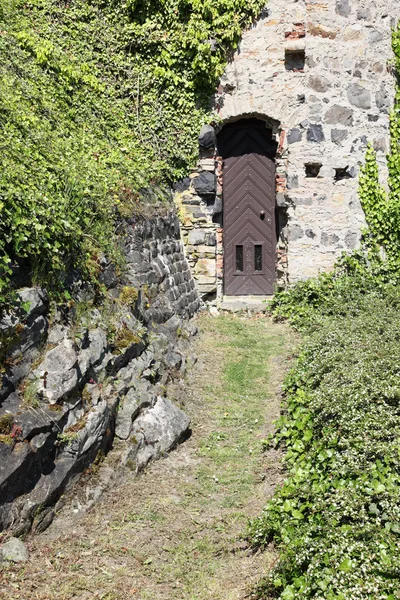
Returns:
<point x="312" y="169"/>
<point x="295" y="61"/>
<point x="258" y="257"/>
<point x="239" y="258"/>
<point x="342" y="173"/>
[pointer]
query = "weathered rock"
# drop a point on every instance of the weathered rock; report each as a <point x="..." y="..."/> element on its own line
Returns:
<point x="204" y="184"/>
<point x="135" y="400"/>
<point x="57" y="374"/>
<point x="207" y="137"/>
<point x="14" y="550"/>
<point x="53" y="443"/>
<point x="159" y="430"/>
<point x="339" y="115"/>
<point x="315" y="133"/>
<point x="34" y="299"/>
<point x="93" y="351"/>
<point x="173" y="360"/>
<point x="359" y="96"/>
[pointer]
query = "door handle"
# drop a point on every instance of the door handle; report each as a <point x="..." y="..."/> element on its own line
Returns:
<point x="262" y="215"/>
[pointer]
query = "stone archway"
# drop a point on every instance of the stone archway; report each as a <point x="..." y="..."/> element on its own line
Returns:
<point x="199" y="200"/>
<point x="248" y="151"/>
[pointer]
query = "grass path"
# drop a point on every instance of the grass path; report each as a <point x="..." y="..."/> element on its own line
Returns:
<point x="175" y="532"/>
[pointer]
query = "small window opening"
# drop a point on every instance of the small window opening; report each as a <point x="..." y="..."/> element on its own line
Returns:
<point x="295" y="61"/>
<point x="312" y="169"/>
<point x="258" y="257"/>
<point x="342" y="173"/>
<point x="239" y="258"/>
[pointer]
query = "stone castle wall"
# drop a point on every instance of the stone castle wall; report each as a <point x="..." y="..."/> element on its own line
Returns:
<point x="319" y="74"/>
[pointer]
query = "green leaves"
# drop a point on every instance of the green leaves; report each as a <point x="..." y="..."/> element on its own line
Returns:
<point x="336" y="519"/>
<point x="381" y="242"/>
<point x="346" y="565"/>
<point x="98" y="101"/>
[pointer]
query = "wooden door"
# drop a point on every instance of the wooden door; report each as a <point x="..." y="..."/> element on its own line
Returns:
<point x="249" y="208"/>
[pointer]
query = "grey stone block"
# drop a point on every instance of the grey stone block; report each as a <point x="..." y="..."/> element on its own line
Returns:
<point x="295" y="233"/>
<point x="294" y="135"/>
<point x="292" y="182"/>
<point x="359" y="96"/>
<point x="329" y="239"/>
<point x="197" y="237"/>
<point x="207" y="137"/>
<point x="382" y="99"/>
<point x="319" y="83"/>
<point x="315" y="133"/>
<point x="343" y="8"/>
<point x="351" y="239"/>
<point x="339" y="135"/>
<point x="339" y="115"/>
<point x="204" y="184"/>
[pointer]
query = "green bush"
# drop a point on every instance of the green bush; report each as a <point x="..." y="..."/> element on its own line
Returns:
<point x="336" y="519"/>
<point x="99" y="100"/>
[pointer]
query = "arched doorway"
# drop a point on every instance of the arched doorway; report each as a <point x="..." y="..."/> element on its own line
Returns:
<point x="249" y="189"/>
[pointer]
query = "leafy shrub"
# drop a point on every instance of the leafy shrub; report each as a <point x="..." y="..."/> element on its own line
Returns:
<point x="336" y="519"/>
<point x="99" y="101"/>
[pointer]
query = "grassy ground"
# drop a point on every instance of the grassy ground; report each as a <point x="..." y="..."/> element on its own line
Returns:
<point x="176" y="532"/>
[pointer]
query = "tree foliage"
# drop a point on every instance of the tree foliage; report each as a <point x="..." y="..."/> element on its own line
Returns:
<point x="99" y="100"/>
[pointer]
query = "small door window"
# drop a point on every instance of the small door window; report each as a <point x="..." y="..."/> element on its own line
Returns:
<point x="239" y="258"/>
<point x="258" y="267"/>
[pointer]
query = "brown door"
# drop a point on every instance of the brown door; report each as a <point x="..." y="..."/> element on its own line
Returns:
<point x="249" y="208"/>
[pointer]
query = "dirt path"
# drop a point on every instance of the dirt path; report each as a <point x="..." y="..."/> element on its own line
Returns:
<point x="175" y="532"/>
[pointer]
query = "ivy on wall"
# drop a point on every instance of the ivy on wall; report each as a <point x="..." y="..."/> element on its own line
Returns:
<point x="99" y="100"/>
<point x="382" y="209"/>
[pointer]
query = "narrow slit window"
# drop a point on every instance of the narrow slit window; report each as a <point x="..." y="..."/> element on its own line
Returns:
<point x="239" y="258"/>
<point x="258" y="257"/>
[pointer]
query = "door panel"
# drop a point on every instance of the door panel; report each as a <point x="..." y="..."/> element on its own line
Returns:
<point x="249" y="209"/>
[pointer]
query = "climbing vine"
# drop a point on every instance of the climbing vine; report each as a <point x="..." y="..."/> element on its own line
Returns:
<point x="382" y="209"/>
<point x="99" y="101"/>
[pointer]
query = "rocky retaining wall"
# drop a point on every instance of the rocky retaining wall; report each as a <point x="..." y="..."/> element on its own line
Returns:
<point x="75" y="380"/>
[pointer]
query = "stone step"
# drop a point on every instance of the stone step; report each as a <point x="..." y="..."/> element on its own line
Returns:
<point x="247" y="303"/>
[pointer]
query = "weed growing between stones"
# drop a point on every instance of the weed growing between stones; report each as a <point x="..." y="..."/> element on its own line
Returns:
<point x="6" y="423"/>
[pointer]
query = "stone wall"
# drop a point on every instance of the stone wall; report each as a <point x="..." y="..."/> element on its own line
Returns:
<point x="319" y="74"/>
<point x="199" y="202"/>
<point x="77" y="380"/>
